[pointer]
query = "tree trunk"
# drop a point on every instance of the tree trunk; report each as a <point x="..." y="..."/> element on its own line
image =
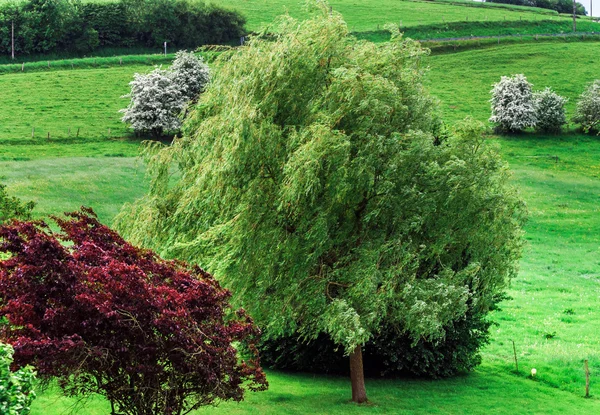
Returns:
<point x="357" y="376"/>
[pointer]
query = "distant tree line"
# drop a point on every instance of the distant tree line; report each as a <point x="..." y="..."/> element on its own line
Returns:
<point x="561" y="6"/>
<point x="42" y="26"/>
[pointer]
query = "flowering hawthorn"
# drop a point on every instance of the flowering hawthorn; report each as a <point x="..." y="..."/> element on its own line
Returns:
<point x="105" y="317"/>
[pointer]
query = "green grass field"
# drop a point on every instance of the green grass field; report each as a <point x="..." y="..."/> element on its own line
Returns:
<point x="463" y="81"/>
<point x="366" y="16"/>
<point x="58" y="101"/>
<point x="552" y="315"/>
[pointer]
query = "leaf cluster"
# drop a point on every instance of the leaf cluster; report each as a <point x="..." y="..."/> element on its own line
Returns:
<point x="16" y="388"/>
<point x="12" y="207"/>
<point x="103" y="316"/>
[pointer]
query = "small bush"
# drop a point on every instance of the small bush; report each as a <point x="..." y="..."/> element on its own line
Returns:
<point x="587" y="113"/>
<point x="159" y="98"/>
<point x="190" y="73"/>
<point x="156" y="102"/>
<point x="549" y="111"/>
<point x="12" y="207"/>
<point x="16" y="388"/>
<point x="512" y="104"/>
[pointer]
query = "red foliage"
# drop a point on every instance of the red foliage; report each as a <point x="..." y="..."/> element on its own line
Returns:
<point x="103" y="316"/>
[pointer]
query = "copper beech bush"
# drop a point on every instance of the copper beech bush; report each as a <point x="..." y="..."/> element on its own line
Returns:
<point x="103" y="316"/>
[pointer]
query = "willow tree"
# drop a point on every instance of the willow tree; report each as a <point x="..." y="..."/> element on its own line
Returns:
<point x="313" y="178"/>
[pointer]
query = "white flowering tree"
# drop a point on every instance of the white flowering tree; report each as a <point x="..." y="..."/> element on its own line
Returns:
<point x="549" y="110"/>
<point x="156" y="102"/>
<point x="512" y="104"/>
<point x="190" y="74"/>
<point x="158" y="99"/>
<point x="588" y="108"/>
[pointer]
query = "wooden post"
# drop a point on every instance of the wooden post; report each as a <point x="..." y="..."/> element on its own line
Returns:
<point x="109" y="133"/>
<point x="48" y="135"/>
<point x="32" y="132"/>
<point x="69" y="133"/>
<point x="77" y="132"/>
<point x="515" y="353"/>
<point x="12" y="39"/>
<point x="23" y="67"/>
<point x="587" y="378"/>
<point x="574" y="16"/>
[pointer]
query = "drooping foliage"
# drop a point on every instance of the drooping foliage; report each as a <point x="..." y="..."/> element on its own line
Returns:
<point x="513" y="108"/>
<point x="12" y="207"/>
<point x="103" y="316"/>
<point x="389" y="353"/>
<point x="315" y="179"/>
<point x="587" y="113"/>
<point x="16" y="387"/>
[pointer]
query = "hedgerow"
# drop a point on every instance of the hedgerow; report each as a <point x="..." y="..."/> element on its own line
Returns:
<point x="43" y="26"/>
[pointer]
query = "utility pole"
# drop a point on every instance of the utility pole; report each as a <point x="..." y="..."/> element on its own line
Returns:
<point x="12" y="39"/>
<point x="574" y="21"/>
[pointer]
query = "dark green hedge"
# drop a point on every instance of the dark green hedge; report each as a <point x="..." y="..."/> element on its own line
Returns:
<point x="44" y="26"/>
<point x="390" y="354"/>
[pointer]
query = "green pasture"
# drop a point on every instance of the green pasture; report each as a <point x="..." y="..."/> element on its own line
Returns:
<point x="462" y="81"/>
<point x="60" y="103"/>
<point x="373" y="15"/>
<point x="497" y="28"/>
<point x="552" y="315"/>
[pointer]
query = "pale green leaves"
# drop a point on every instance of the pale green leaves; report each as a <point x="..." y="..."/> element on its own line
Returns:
<point x="16" y="388"/>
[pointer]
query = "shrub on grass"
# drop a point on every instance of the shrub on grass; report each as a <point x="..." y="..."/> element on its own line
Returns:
<point x="102" y="316"/>
<point x="549" y="111"/>
<point x="512" y="104"/>
<point x="159" y="98"/>
<point x="16" y="388"/>
<point x="156" y="103"/>
<point x="190" y="73"/>
<point x="587" y="113"/>
<point x="12" y="207"/>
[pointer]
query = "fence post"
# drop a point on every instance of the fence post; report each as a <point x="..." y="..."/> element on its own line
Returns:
<point x="515" y="353"/>
<point x="587" y="379"/>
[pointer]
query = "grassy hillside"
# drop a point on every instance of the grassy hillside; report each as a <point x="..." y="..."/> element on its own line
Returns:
<point x="365" y="16"/>
<point x="56" y="101"/>
<point x="463" y="80"/>
<point x="552" y="315"/>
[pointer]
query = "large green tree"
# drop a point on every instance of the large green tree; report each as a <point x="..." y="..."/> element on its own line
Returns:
<point x="315" y="179"/>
